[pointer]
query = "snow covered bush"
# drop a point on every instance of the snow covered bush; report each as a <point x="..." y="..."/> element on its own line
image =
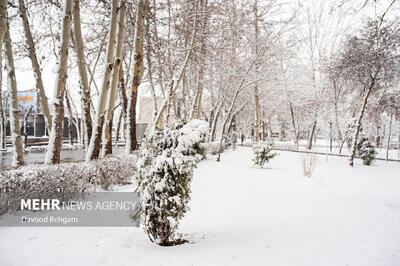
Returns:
<point x="366" y="151"/>
<point x="115" y="169"/>
<point x="63" y="181"/>
<point x="309" y="163"/>
<point x="165" y="170"/>
<point x="263" y="153"/>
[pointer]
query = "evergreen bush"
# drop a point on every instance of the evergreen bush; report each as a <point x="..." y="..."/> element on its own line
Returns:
<point x="165" y="170"/>
<point x="263" y="153"/>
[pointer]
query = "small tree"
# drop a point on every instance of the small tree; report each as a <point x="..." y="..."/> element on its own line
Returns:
<point x="366" y="151"/>
<point x="263" y="153"/>
<point x="165" y="170"/>
<point x="368" y="62"/>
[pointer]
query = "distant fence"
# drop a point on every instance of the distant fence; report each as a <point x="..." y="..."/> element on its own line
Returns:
<point x="292" y="148"/>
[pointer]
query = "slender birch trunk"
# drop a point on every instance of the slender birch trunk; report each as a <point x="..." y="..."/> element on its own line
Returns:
<point x="44" y="106"/>
<point x="137" y="75"/>
<point x="84" y="84"/>
<point x="357" y="132"/>
<point x="15" y="126"/>
<point x="56" y="133"/>
<point x="95" y="140"/>
<point x="107" y="134"/>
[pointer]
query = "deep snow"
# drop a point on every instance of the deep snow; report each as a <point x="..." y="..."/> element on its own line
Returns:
<point x="244" y="215"/>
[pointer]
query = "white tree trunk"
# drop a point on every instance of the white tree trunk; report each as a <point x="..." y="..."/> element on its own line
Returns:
<point x="85" y="90"/>
<point x="95" y="140"/>
<point x="57" y="125"/>
<point x="15" y="126"/>
<point x="107" y="134"/>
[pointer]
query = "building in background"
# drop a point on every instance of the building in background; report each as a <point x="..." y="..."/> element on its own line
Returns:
<point x="35" y="125"/>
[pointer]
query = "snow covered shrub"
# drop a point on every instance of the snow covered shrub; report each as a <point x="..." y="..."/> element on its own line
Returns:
<point x="165" y="170"/>
<point x="263" y="153"/>
<point x="43" y="181"/>
<point x="366" y="151"/>
<point x="309" y="162"/>
<point x="115" y="169"/>
<point x="63" y="181"/>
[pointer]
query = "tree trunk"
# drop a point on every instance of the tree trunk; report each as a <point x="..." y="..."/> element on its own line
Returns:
<point x="85" y="89"/>
<point x="15" y="126"/>
<point x="44" y="106"/>
<point x="56" y="133"/>
<point x="137" y="75"/>
<point x="118" y="127"/>
<point x="295" y="134"/>
<point x="310" y="141"/>
<point x="26" y="116"/>
<point x="256" y="91"/>
<point x="215" y="120"/>
<point x="197" y="103"/>
<point x="357" y="132"/>
<point x="95" y="139"/>
<point x="149" y="67"/>
<point x="169" y="102"/>
<point x="3" y="29"/>
<point x="339" y="132"/>
<point x="389" y="135"/>
<point x="70" y="120"/>
<point x="107" y="141"/>
<point x="123" y="100"/>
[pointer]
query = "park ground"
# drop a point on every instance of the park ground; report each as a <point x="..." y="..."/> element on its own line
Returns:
<point x="245" y="215"/>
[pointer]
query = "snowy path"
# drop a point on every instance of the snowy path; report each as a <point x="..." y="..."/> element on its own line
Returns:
<point x="244" y="215"/>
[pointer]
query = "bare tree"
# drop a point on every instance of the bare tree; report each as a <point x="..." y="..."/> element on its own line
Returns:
<point x="35" y="64"/>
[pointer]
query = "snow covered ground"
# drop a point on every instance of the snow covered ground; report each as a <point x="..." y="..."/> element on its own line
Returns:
<point x="244" y="215"/>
